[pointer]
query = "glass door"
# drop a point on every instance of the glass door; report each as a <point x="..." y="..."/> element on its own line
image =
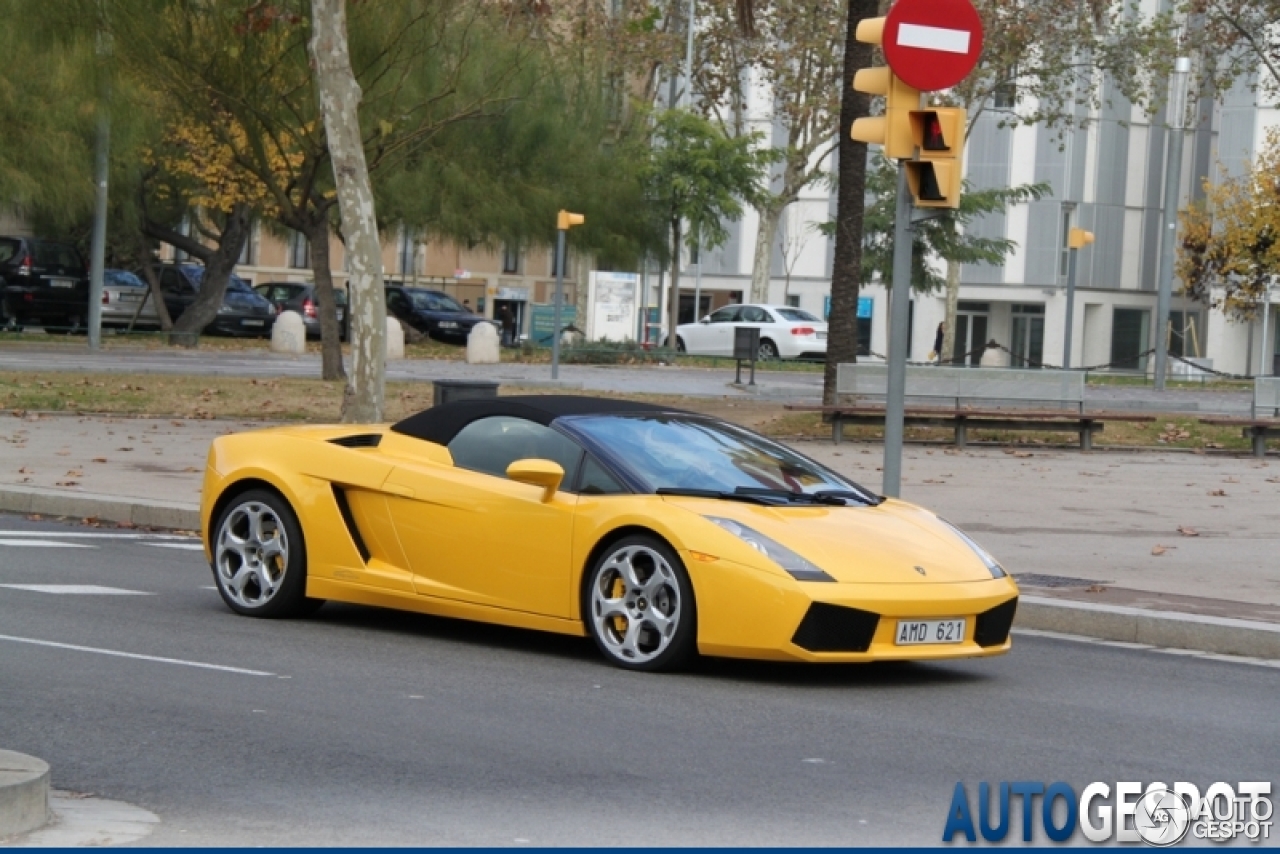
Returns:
<point x="971" y="333"/>
<point x="1028" y="336"/>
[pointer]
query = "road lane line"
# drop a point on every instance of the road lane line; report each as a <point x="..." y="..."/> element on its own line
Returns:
<point x="77" y="589"/>
<point x="95" y="535"/>
<point x="194" y="547"/>
<point x="118" y="654"/>
<point x="42" y="544"/>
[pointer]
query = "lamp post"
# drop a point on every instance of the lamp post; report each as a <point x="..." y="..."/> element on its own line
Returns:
<point x="1175" y="117"/>
<point x="1077" y="239"/>
<point x="564" y="222"/>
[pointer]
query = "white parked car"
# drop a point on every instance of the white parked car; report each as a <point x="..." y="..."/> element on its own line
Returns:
<point x="785" y="332"/>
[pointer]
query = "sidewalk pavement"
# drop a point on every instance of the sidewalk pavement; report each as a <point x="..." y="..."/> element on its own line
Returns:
<point x="1167" y="549"/>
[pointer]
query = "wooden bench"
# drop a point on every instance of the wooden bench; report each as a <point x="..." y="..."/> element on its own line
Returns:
<point x="987" y="398"/>
<point x="1264" y="420"/>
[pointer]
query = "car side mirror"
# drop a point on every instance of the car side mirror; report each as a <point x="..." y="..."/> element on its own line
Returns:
<point x="544" y="473"/>
<point x="705" y="319"/>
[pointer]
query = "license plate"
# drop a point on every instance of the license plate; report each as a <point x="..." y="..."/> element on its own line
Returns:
<point x="62" y="283"/>
<point x="822" y="336"/>
<point x="252" y="322"/>
<point x="126" y="297"/>
<point x="911" y="632"/>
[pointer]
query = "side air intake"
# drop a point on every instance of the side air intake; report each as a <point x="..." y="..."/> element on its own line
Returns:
<point x="344" y="507"/>
<point x="359" y="440"/>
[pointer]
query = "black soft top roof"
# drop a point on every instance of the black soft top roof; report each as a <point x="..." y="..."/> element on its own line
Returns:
<point x="440" y="424"/>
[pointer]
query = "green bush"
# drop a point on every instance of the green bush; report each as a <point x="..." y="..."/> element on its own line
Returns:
<point x="606" y="352"/>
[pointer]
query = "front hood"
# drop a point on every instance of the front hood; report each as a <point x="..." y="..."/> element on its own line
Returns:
<point x="883" y="544"/>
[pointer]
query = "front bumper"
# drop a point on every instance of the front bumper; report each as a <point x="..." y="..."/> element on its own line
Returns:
<point x="747" y="613"/>
<point x="241" y="324"/>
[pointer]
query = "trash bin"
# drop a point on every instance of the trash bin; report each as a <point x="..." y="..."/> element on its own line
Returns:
<point x="447" y="391"/>
<point x="746" y="343"/>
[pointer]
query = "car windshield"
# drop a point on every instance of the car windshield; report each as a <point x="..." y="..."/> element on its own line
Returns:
<point x="8" y="248"/>
<point x="235" y="283"/>
<point x="687" y="452"/>
<point x="795" y="314"/>
<point x="432" y="301"/>
<point x="122" y="278"/>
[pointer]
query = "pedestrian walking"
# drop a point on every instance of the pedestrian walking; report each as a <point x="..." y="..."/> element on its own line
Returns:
<point x="936" y="355"/>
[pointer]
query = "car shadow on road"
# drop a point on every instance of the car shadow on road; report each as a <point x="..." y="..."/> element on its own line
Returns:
<point x="896" y="674"/>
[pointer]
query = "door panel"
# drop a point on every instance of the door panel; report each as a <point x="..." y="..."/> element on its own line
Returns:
<point x="484" y="539"/>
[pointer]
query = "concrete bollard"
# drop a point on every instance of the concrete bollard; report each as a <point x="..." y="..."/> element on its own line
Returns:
<point x="482" y="345"/>
<point x="24" y="793"/>
<point x="289" y="334"/>
<point x="395" y="338"/>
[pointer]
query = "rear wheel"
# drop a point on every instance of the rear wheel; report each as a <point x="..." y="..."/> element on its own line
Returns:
<point x="680" y="345"/>
<point x="768" y="350"/>
<point x="259" y="557"/>
<point x="638" y="606"/>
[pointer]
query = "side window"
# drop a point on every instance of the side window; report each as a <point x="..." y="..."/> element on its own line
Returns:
<point x="754" y="314"/>
<point x="726" y="315"/>
<point x="171" y="282"/>
<point x="597" y="481"/>
<point x="491" y="444"/>
<point x="395" y="300"/>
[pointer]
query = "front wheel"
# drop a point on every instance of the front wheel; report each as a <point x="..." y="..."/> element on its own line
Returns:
<point x="639" y="606"/>
<point x="260" y="559"/>
<point x="768" y="351"/>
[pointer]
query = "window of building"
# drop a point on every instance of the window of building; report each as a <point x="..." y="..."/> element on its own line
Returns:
<point x="299" y="251"/>
<point x="249" y="253"/>
<point x="407" y="253"/>
<point x="1005" y="95"/>
<point x="1130" y="338"/>
<point x="510" y="258"/>
<point x="793" y="300"/>
<point x="1184" y="334"/>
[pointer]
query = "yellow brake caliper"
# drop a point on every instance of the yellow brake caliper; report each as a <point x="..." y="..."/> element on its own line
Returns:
<point x="617" y="592"/>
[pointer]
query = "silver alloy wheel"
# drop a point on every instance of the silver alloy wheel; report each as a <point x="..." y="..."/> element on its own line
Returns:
<point x="768" y="351"/>
<point x="635" y="603"/>
<point x="252" y="554"/>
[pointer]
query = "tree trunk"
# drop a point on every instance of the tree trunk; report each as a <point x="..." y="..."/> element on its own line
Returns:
<point x="762" y="264"/>
<point x="153" y="286"/>
<point x="846" y="268"/>
<point x="339" y="96"/>
<point x="673" y="300"/>
<point x="953" y="301"/>
<point x="326" y="307"/>
<point x="218" y="264"/>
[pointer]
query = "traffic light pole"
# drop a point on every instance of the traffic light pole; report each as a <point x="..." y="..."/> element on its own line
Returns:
<point x="899" y="321"/>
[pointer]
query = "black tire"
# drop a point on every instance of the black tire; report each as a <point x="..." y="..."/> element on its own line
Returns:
<point x="632" y="638"/>
<point x="679" y="345"/>
<point x="768" y="350"/>
<point x="259" y="557"/>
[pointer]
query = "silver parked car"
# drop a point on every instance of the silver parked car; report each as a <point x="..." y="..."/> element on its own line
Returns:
<point x="126" y="297"/>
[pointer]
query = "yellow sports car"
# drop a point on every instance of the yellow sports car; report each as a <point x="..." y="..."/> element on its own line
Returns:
<point x="659" y="533"/>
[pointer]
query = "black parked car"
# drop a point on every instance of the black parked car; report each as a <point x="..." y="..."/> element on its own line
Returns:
<point x="43" y="283"/>
<point x="433" y="313"/>
<point x="301" y="297"/>
<point x="243" y="312"/>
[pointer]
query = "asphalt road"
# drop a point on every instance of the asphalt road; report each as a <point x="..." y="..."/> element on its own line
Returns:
<point x="366" y="727"/>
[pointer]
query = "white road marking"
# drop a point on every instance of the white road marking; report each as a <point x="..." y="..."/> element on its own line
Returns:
<point x="194" y="547"/>
<point x="42" y="544"/>
<point x="96" y="535"/>
<point x="77" y="589"/>
<point x="1195" y="653"/>
<point x="118" y="654"/>
<point x="933" y="38"/>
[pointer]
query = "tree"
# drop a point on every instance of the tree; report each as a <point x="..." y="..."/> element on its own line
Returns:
<point x="793" y="52"/>
<point x="697" y="174"/>
<point x="1230" y="247"/>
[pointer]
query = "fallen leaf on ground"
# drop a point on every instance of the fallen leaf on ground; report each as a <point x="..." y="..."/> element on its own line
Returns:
<point x="67" y="483"/>
<point x="99" y="459"/>
<point x="1218" y="493"/>
<point x="25" y="470"/>
<point x="1094" y="588"/>
<point x="124" y="449"/>
<point x="1159" y="550"/>
<point x="1188" y="532"/>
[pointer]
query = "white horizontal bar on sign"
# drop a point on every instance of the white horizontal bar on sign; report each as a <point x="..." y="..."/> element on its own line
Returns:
<point x="933" y="38"/>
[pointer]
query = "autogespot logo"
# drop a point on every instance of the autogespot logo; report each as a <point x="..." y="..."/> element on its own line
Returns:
<point x="1158" y="815"/>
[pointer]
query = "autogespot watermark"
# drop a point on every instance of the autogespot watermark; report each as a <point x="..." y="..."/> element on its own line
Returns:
<point x="1157" y="814"/>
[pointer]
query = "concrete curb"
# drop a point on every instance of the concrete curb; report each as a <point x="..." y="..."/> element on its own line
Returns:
<point x="142" y="512"/>
<point x="24" y="793"/>
<point x="1170" y="629"/>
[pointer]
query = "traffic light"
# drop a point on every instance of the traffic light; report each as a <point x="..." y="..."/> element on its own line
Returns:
<point x="1078" y="238"/>
<point x="893" y="129"/>
<point x="935" y="173"/>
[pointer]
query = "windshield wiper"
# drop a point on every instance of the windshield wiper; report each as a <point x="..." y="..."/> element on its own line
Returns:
<point x="833" y="497"/>
<point x="750" y="498"/>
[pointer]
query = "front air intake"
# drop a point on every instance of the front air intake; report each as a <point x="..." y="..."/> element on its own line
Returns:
<point x="833" y="628"/>
<point x="993" y="626"/>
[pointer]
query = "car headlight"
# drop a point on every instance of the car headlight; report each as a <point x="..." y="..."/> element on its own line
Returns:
<point x="797" y="566"/>
<point x="226" y="309"/>
<point x="993" y="565"/>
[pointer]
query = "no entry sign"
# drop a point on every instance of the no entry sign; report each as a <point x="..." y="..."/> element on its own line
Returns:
<point x="932" y="44"/>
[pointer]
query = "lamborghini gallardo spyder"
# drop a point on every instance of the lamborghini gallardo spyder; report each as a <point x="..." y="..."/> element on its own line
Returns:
<point x="658" y="533"/>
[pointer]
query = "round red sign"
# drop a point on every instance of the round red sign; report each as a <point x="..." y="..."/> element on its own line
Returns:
<point x="932" y="44"/>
